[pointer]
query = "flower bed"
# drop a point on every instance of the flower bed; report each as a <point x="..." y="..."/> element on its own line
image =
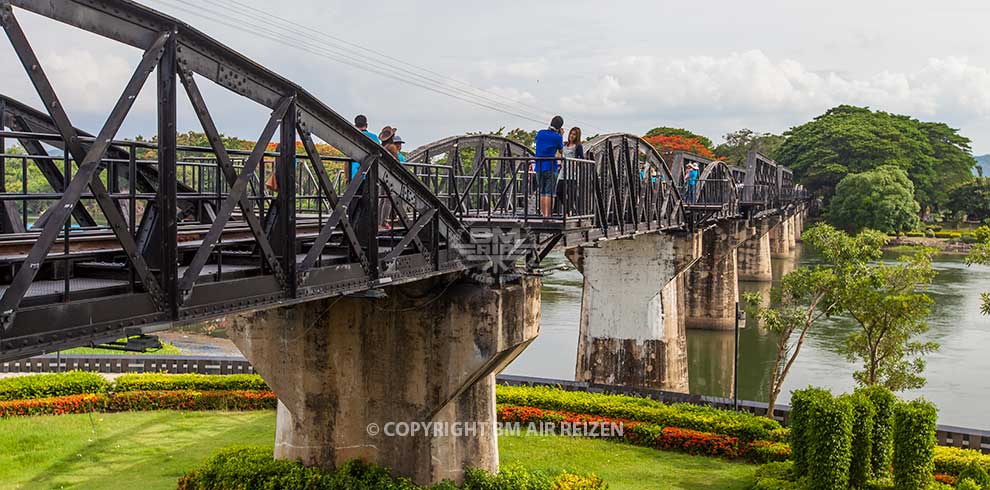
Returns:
<point x="745" y="426"/>
<point x="54" y="384"/>
<point x="656" y="436"/>
<point x="141" y="400"/>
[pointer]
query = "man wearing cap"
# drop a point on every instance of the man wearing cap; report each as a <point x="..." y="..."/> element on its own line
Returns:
<point x="361" y="122"/>
<point x="549" y="143"/>
<point x="691" y="178"/>
<point x="397" y="141"/>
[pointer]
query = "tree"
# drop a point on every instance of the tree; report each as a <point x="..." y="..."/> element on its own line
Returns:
<point x="680" y="133"/>
<point x="971" y="198"/>
<point x="881" y="199"/>
<point x="524" y="137"/>
<point x="738" y="144"/>
<point x="807" y="294"/>
<point x="980" y="254"/>
<point x="890" y="307"/>
<point x="848" y="139"/>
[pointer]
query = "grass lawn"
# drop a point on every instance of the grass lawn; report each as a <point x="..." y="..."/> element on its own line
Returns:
<point x="150" y="450"/>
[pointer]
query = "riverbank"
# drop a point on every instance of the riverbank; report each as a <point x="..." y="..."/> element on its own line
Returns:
<point x="945" y="246"/>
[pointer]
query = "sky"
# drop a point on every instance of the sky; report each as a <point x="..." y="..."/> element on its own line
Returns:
<point x="624" y="66"/>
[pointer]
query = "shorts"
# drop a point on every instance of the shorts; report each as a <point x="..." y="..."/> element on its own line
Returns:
<point x="548" y="182"/>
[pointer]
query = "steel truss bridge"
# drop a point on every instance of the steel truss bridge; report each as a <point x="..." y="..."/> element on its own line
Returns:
<point x="112" y="237"/>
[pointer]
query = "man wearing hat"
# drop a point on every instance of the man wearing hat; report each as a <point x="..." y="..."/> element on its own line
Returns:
<point x="549" y="142"/>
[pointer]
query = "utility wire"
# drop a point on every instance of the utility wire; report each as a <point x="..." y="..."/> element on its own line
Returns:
<point x="262" y="30"/>
<point x="333" y="40"/>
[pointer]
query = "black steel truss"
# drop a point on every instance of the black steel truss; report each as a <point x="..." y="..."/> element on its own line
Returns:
<point x="174" y="249"/>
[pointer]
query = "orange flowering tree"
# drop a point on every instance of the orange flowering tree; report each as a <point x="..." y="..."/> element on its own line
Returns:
<point x="665" y="143"/>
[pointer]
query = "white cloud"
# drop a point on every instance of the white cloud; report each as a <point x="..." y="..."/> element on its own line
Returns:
<point x="751" y="82"/>
<point x="527" y="69"/>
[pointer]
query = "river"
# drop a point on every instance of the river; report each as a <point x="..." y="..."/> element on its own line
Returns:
<point x="958" y="374"/>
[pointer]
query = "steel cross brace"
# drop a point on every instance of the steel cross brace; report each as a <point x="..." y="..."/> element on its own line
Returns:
<point x="88" y="167"/>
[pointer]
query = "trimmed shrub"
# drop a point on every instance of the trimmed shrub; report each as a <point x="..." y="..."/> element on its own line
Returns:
<point x="59" y="405"/>
<point x="705" y="419"/>
<point x="914" y="444"/>
<point x="860" y="464"/>
<point x="953" y="460"/>
<point x="975" y="472"/>
<point x="801" y="403"/>
<point x="51" y="385"/>
<point x="167" y="382"/>
<point x="968" y="484"/>
<point x="883" y="439"/>
<point x="192" y="400"/>
<point x="826" y="433"/>
<point x="766" y="451"/>
<point x="253" y="468"/>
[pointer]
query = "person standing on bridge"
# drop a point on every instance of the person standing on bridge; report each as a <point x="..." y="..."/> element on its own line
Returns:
<point x="361" y="122"/>
<point x="567" y="181"/>
<point x="691" y="179"/>
<point x="549" y="143"/>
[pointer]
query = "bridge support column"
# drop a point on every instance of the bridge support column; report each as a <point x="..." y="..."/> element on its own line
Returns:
<point x="798" y="224"/>
<point x="778" y="240"/>
<point x="631" y="333"/>
<point x="713" y="282"/>
<point x="791" y="234"/>
<point x="753" y="255"/>
<point x="426" y="353"/>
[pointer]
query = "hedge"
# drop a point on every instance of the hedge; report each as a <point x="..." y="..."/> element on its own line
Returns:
<point x="883" y="439"/>
<point x="162" y="381"/>
<point x="953" y="460"/>
<point x="254" y="468"/>
<point x="653" y="435"/>
<point x="860" y="466"/>
<point x="914" y="444"/>
<point x="824" y="438"/>
<point x="705" y="419"/>
<point x="49" y="385"/>
<point x="141" y="400"/>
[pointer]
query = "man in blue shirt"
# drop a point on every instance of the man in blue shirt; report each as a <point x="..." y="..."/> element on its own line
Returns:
<point x="361" y="123"/>
<point x="549" y="143"/>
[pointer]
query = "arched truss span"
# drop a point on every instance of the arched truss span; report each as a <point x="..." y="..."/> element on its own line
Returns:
<point x="490" y="144"/>
<point x="635" y="182"/>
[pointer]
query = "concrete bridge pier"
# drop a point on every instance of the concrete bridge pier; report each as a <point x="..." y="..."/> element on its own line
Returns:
<point x="792" y="232"/>
<point x="713" y="283"/>
<point x="753" y="255"/>
<point x="426" y="353"/>
<point x="631" y="332"/>
<point x="799" y="223"/>
<point x="779" y="248"/>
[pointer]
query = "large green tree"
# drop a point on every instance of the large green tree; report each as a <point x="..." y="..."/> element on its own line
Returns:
<point x="971" y="198"/>
<point x="668" y="131"/>
<point x="848" y="139"/>
<point x="881" y="199"/>
<point x="739" y="143"/>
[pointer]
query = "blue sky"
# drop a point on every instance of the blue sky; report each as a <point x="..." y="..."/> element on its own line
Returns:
<point x="712" y="66"/>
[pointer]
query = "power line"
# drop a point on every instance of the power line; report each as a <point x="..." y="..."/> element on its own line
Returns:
<point x="334" y="39"/>
<point x="308" y="46"/>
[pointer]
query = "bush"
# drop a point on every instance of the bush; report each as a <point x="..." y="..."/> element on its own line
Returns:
<point x="767" y="451"/>
<point x="860" y="463"/>
<point x="192" y="400"/>
<point x="914" y="444"/>
<point x="953" y="460"/>
<point x="51" y="385"/>
<point x="801" y="403"/>
<point x="968" y="484"/>
<point x="775" y="476"/>
<point x="976" y="473"/>
<point x="705" y="419"/>
<point x="826" y="434"/>
<point x="60" y="405"/>
<point x="162" y="381"/>
<point x="948" y="234"/>
<point x="253" y="468"/>
<point x="883" y="442"/>
<point x="982" y="234"/>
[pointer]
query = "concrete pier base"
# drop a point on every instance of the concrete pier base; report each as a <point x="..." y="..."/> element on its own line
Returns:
<point x="426" y="353"/>
<point x="753" y="255"/>
<point x="631" y="333"/>
<point x="712" y="282"/>
<point x="791" y="234"/>
<point x="779" y="247"/>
